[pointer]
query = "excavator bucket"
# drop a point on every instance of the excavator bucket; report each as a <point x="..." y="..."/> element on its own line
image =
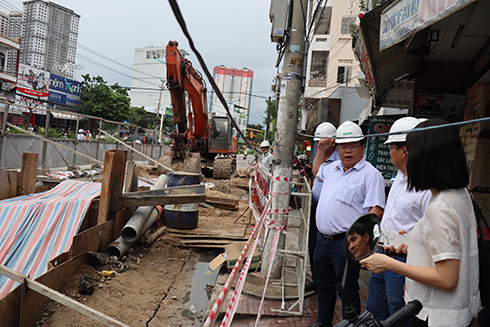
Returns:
<point x="223" y="167"/>
<point x="191" y="162"/>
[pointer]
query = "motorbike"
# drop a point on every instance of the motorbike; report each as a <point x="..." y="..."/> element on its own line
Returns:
<point x="300" y="162"/>
<point x="369" y="233"/>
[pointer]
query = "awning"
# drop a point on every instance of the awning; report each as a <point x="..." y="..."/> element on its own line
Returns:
<point x="383" y="69"/>
<point x="445" y="58"/>
<point x="404" y="18"/>
<point x="62" y="115"/>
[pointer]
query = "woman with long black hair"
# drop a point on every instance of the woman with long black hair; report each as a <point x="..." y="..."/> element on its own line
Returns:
<point x="442" y="264"/>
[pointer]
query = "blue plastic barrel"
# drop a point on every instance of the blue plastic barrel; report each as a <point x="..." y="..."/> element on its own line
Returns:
<point x="182" y="216"/>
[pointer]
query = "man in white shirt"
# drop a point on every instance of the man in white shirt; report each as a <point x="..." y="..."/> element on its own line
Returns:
<point x="352" y="188"/>
<point x="326" y="154"/>
<point x="403" y="209"/>
<point x="266" y="155"/>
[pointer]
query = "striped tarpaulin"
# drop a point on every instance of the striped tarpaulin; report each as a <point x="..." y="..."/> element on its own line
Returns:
<point x="142" y="183"/>
<point x="38" y="227"/>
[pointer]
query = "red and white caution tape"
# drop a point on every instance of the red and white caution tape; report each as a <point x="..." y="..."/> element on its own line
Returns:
<point x="219" y="302"/>
<point x="230" y="312"/>
<point x="271" y="261"/>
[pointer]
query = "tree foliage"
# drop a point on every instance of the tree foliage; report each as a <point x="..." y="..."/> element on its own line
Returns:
<point x="106" y="101"/>
<point x="273" y="117"/>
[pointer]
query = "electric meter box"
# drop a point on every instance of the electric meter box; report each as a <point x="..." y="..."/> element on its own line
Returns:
<point x="277" y="16"/>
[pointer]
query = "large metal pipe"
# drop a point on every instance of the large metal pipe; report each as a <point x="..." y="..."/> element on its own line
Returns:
<point x="120" y="246"/>
<point x="133" y="228"/>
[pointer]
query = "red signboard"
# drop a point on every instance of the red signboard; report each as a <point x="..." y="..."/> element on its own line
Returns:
<point x="18" y="120"/>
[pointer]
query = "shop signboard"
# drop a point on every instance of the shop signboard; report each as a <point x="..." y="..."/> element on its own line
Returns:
<point x="33" y="82"/>
<point x="377" y="153"/>
<point x="64" y="90"/>
<point x="405" y="17"/>
<point x="363" y="56"/>
<point x="250" y="133"/>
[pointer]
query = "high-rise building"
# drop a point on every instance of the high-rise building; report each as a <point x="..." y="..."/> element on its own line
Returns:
<point x="149" y="78"/>
<point x="9" y="47"/>
<point x="236" y="87"/>
<point x="49" y="38"/>
<point x="15" y="28"/>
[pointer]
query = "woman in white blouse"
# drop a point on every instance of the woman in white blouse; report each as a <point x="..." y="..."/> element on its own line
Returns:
<point x="442" y="264"/>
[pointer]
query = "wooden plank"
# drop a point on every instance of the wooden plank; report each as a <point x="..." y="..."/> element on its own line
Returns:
<point x="178" y="190"/>
<point x="60" y="298"/>
<point x="28" y="173"/>
<point x="95" y="239"/>
<point x="225" y="206"/>
<point x="236" y="232"/>
<point x="162" y="200"/>
<point x="202" y="246"/>
<point x="112" y="184"/>
<point x="221" y="200"/>
<point x="205" y="205"/>
<point x="217" y="242"/>
<point x="8" y="180"/>
<point x="219" y="237"/>
<point x="170" y="195"/>
<point x="131" y="183"/>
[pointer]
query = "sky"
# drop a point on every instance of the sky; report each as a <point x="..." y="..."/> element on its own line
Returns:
<point x="226" y="32"/>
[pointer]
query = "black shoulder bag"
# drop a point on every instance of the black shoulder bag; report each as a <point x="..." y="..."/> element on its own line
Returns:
<point x="484" y="256"/>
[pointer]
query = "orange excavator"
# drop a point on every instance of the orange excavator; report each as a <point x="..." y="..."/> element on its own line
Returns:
<point x="200" y="143"/>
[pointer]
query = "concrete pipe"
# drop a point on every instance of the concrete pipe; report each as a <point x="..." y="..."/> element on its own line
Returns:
<point x="120" y="246"/>
<point x="133" y="228"/>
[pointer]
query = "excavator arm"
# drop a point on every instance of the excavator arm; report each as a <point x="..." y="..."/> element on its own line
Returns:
<point x="181" y="76"/>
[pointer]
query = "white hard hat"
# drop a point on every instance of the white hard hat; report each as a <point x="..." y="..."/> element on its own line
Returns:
<point x="400" y="125"/>
<point x="324" y="130"/>
<point x="80" y="130"/>
<point x="349" y="132"/>
<point x="265" y="144"/>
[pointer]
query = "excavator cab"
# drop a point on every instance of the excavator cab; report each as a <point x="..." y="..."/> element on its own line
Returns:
<point x="224" y="144"/>
<point x="220" y="136"/>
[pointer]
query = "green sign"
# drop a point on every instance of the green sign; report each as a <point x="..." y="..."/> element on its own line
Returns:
<point x="377" y="153"/>
<point x="169" y="112"/>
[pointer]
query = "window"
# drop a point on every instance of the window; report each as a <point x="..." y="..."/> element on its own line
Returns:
<point x="318" y="69"/>
<point x="343" y="74"/>
<point x="346" y="23"/>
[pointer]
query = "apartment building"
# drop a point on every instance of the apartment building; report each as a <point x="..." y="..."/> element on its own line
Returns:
<point x="332" y="69"/>
<point x="49" y="37"/>
<point x="236" y="87"/>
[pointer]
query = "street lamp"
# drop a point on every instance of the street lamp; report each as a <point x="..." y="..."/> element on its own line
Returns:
<point x="158" y="109"/>
<point x="159" y="99"/>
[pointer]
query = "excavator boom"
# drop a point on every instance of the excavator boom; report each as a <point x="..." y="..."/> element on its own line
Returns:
<point x="193" y="138"/>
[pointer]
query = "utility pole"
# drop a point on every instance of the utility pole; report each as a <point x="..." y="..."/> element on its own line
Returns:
<point x="158" y="110"/>
<point x="287" y="116"/>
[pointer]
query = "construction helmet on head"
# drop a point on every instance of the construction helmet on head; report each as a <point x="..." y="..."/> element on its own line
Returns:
<point x="348" y="132"/>
<point x="400" y="125"/>
<point x="265" y="144"/>
<point x="324" y="130"/>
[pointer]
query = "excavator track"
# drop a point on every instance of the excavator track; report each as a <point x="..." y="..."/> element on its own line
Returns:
<point x="223" y="167"/>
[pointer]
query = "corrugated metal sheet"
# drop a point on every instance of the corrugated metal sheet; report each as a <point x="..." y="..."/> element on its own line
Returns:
<point x="38" y="227"/>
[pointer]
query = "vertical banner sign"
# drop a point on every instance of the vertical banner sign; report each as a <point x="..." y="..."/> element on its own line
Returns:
<point x="64" y="90"/>
<point x="377" y="153"/>
<point x="33" y="82"/>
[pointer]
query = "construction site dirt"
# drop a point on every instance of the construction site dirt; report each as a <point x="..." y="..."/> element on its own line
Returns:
<point x="154" y="284"/>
